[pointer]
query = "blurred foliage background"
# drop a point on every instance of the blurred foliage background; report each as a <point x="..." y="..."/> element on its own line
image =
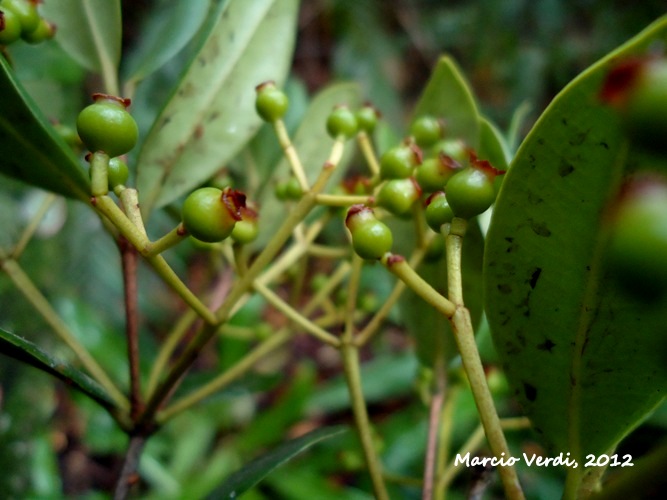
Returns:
<point x="514" y="52"/>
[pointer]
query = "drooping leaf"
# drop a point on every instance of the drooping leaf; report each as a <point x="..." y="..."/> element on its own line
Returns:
<point x="30" y="149"/>
<point x="170" y="27"/>
<point x="211" y="115"/>
<point x="447" y="95"/>
<point x="18" y="348"/>
<point x="89" y="31"/>
<point x="313" y="145"/>
<point x="586" y="361"/>
<point x="256" y="470"/>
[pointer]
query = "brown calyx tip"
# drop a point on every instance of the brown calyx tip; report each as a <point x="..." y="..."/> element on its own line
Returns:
<point x="432" y="197"/>
<point x="620" y="80"/>
<point x="369" y="104"/>
<point x="356" y="209"/>
<point x="395" y="259"/>
<point x="448" y="162"/>
<point x="234" y="201"/>
<point x="123" y="101"/>
<point x="484" y="166"/>
<point x="180" y="230"/>
<point x="265" y="85"/>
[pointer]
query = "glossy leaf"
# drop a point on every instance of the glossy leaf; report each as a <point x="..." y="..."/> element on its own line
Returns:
<point x="16" y="347"/>
<point x="447" y="95"/>
<point x="89" y="31"/>
<point x="211" y="115"/>
<point x="30" y="149"/>
<point x="313" y="144"/>
<point x="170" y="27"/>
<point x="255" y="471"/>
<point x="586" y="361"/>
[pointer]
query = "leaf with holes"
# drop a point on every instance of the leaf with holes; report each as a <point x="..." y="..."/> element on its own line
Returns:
<point x="211" y="115"/>
<point x="586" y="361"/>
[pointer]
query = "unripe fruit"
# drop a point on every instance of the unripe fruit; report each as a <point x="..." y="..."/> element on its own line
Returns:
<point x="10" y="26"/>
<point x="289" y="189"/>
<point x="400" y="161"/>
<point x="44" y="31"/>
<point x="433" y="174"/>
<point x="398" y="195"/>
<point x="107" y="126"/>
<point x="247" y="229"/>
<point x="637" y="251"/>
<point x="638" y="89"/>
<point x="371" y="239"/>
<point x="438" y="211"/>
<point x="367" y="118"/>
<point x="117" y="173"/>
<point x="26" y="12"/>
<point x="471" y="191"/>
<point x="456" y="149"/>
<point x="342" y="123"/>
<point x="210" y="214"/>
<point x="271" y="103"/>
<point x="426" y="130"/>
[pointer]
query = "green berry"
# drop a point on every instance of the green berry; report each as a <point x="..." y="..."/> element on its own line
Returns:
<point x="10" y="26"/>
<point x="289" y="189"/>
<point x="107" y="126"/>
<point x="44" y="31"/>
<point x="246" y="230"/>
<point x="470" y="192"/>
<point x="26" y="12"/>
<point x="117" y="173"/>
<point x="398" y="195"/>
<point x="426" y="130"/>
<point x="438" y="211"/>
<point x="637" y="251"/>
<point x="371" y="239"/>
<point x="210" y="214"/>
<point x="456" y="149"/>
<point x="342" y="123"/>
<point x="433" y="173"/>
<point x="367" y="118"/>
<point x="271" y="103"/>
<point x="400" y="161"/>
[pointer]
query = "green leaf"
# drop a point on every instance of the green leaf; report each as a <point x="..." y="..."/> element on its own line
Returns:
<point x="586" y="362"/>
<point x="211" y="115"/>
<point x="171" y="25"/>
<point x="313" y="144"/>
<point x="492" y="145"/>
<point x="30" y="149"/>
<point x="256" y="470"/>
<point x="89" y="31"/>
<point x="18" y="348"/>
<point x="447" y="95"/>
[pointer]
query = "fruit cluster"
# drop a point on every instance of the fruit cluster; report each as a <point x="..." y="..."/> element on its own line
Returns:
<point x="637" y="247"/>
<point x="19" y="19"/>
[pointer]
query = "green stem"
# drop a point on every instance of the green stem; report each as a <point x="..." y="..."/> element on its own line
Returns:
<point x="99" y="168"/>
<point x="465" y="340"/>
<point x="172" y="238"/>
<point x="398" y="266"/>
<point x="25" y="285"/>
<point x="290" y="153"/>
<point x="30" y="229"/>
<point x="367" y="150"/>
<point x="107" y="207"/>
<point x="244" y="284"/>
<point x="228" y="376"/>
<point x="351" y="302"/>
<point x="295" y="316"/>
<point x="350" y="354"/>
<point x="342" y="200"/>
<point x="444" y="441"/>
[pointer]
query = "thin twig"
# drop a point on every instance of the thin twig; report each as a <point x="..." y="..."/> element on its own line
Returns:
<point x="129" y="259"/>
<point x="128" y="474"/>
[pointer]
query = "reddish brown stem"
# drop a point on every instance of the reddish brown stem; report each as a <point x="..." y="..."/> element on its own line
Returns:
<point x="129" y="257"/>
